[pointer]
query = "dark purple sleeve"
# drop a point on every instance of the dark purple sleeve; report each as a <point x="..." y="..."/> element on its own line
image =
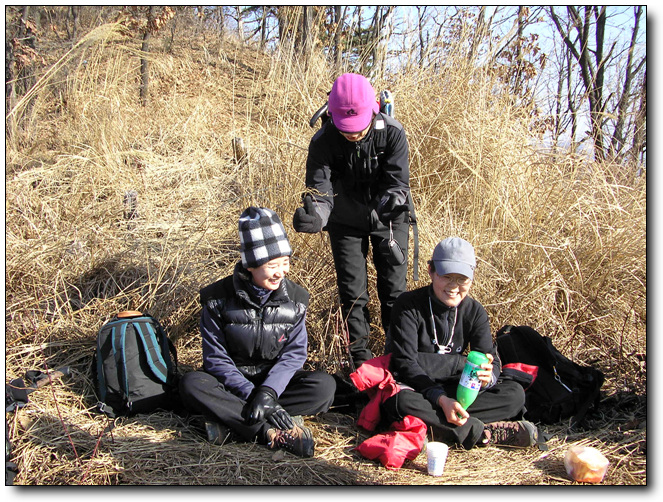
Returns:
<point x="216" y="360"/>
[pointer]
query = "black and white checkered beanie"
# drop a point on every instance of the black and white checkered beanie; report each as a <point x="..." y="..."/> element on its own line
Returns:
<point x="262" y="237"/>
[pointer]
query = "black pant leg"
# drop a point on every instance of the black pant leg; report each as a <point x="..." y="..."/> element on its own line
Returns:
<point x="504" y="401"/>
<point x="408" y="402"/>
<point x="350" y="250"/>
<point x="202" y="393"/>
<point x="391" y="279"/>
<point x="308" y="393"/>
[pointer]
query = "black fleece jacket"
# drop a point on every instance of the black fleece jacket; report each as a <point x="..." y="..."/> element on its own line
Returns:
<point x="351" y="181"/>
<point x="416" y="360"/>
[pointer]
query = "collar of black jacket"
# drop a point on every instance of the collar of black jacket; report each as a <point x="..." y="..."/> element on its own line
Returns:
<point x="437" y="304"/>
<point x="256" y="296"/>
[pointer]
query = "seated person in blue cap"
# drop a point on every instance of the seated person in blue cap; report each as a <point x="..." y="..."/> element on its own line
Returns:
<point x="255" y="343"/>
<point x="430" y="330"/>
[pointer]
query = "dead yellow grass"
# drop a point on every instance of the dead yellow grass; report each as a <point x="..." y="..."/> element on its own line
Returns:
<point x="549" y="233"/>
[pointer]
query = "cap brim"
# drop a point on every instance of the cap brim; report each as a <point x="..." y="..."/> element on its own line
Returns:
<point x="355" y="123"/>
<point x="443" y="267"/>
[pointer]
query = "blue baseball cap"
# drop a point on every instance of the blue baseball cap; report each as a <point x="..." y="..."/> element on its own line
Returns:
<point x="454" y="256"/>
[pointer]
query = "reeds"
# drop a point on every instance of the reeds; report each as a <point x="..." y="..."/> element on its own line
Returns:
<point x="561" y="244"/>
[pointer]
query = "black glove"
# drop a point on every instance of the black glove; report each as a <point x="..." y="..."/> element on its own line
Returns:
<point x="264" y="406"/>
<point x="390" y="207"/>
<point x="306" y="219"/>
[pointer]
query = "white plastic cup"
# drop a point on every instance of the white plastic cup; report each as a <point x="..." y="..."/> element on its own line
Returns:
<point x="436" y="453"/>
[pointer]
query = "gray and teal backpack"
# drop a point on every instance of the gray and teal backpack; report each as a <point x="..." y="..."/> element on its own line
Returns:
<point x="134" y="366"/>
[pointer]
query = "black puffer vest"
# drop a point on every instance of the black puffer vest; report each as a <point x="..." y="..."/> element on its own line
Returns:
<point x="254" y="334"/>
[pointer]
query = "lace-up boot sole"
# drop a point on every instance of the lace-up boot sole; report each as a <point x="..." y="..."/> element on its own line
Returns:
<point x="298" y="440"/>
<point x="521" y="434"/>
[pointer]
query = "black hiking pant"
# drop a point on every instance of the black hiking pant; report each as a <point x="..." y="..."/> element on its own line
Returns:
<point x="308" y="393"/>
<point x="504" y="401"/>
<point x="350" y="251"/>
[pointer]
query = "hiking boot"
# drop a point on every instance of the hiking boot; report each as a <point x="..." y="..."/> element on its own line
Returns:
<point x="217" y="433"/>
<point x="297" y="440"/>
<point x="521" y="433"/>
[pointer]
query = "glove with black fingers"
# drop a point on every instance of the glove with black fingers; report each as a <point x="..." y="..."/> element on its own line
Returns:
<point x="264" y="406"/>
<point x="390" y="206"/>
<point x="306" y="219"/>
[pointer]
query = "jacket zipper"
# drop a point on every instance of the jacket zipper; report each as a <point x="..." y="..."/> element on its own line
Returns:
<point x="452" y="330"/>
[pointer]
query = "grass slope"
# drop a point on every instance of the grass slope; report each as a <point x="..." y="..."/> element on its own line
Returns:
<point x="561" y="245"/>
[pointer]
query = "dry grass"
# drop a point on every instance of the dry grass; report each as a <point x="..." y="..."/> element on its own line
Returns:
<point x="549" y="233"/>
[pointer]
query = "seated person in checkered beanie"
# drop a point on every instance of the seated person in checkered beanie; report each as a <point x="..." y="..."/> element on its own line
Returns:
<point x="254" y="344"/>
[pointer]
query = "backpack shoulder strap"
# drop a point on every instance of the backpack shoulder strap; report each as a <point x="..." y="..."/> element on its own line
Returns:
<point x="415" y="233"/>
<point x="148" y="336"/>
<point x="523" y="344"/>
<point x="535" y="346"/>
<point x="166" y="346"/>
<point x="380" y="133"/>
<point x="119" y="338"/>
<point x="593" y="399"/>
<point x="382" y="121"/>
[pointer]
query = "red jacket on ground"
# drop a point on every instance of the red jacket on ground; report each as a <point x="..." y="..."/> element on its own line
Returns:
<point x="374" y="378"/>
<point x="405" y="439"/>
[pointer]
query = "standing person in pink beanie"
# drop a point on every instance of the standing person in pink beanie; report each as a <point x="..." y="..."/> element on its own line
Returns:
<point x="358" y="190"/>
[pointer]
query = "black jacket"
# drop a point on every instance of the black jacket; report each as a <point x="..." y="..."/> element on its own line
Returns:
<point x="352" y="181"/>
<point x="415" y="359"/>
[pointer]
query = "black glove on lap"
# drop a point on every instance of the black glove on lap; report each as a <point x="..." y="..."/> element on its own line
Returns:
<point x="264" y="406"/>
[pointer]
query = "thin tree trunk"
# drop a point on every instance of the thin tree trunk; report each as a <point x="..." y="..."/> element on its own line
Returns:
<point x="618" y="139"/>
<point x="171" y="40"/>
<point x="599" y="106"/>
<point x="144" y="70"/>
<point x="338" y="50"/>
<point x="479" y="30"/>
<point x="381" y="20"/>
<point x="517" y="87"/>
<point x="307" y="23"/>
<point x="592" y="77"/>
<point x="240" y="25"/>
<point x="10" y="80"/>
<point x="306" y="29"/>
<point x="222" y="23"/>
<point x="25" y="76"/>
<point x="24" y="18"/>
<point x="74" y="10"/>
<point x="421" y="11"/>
<point x="358" y="39"/>
<point x="639" y="133"/>
<point x="375" y="41"/>
<point x="263" y="28"/>
<point x="557" y="125"/>
<point x="573" y="109"/>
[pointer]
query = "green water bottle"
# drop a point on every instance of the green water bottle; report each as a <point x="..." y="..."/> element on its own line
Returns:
<point x="469" y="385"/>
